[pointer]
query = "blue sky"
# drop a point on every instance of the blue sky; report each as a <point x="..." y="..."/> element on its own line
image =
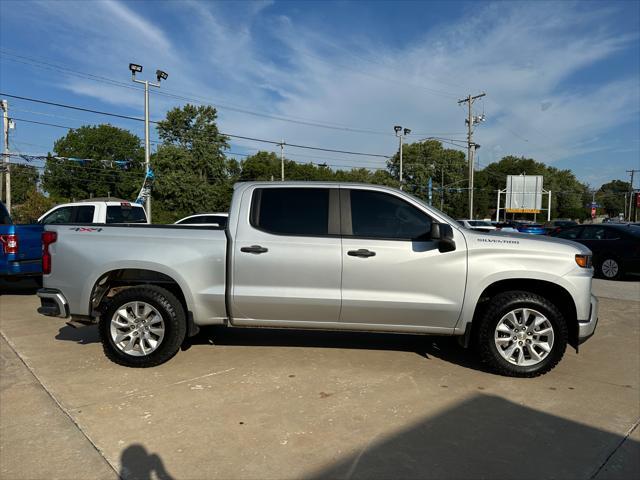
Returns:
<point x="562" y="78"/>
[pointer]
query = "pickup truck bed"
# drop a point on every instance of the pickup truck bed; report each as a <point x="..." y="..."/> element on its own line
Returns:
<point x="194" y="258"/>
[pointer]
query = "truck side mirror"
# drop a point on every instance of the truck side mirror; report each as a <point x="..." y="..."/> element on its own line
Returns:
<point x="443" y="234"/>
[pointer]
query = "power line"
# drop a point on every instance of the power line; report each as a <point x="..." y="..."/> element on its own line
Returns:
<point x="128" y="117"/>
<point x="199" y="100"/>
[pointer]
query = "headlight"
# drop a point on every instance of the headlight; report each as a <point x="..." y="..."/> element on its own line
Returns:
<point x="583" y="260"/>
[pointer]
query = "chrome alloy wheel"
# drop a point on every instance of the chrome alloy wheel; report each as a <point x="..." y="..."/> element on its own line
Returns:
<point x="610" y="268"/>
<point x="137" y="328"/>
<point x="524" y="337"/>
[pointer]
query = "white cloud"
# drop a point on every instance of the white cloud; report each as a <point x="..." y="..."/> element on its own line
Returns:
<point x="135" y="22"/>
<point x="526" y="56"/>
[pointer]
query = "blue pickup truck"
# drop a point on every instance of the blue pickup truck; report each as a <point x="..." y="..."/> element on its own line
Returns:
<point x="20" y="247"/>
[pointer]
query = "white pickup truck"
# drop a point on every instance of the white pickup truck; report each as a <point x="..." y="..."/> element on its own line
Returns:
<point x="95" y="210"/>
<point x="323" y="256"/>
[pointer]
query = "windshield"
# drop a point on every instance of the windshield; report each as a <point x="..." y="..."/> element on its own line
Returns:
<point x="479" y="223"/>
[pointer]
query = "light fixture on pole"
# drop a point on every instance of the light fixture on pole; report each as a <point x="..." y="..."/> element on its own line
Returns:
<point x="160" y="75"/>
<point x="401" y="133"/>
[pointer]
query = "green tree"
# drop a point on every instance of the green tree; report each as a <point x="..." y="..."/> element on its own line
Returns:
<point x="611" y="196"/>
<point x="24" y="178"/>
<point x="192" y="173"/>
<point x="567" y="192"/>
<point x="262" y="166"/>
<point x="446" y="167"/>
<point x="115" y="167"/>
<point x="33" y="205"/>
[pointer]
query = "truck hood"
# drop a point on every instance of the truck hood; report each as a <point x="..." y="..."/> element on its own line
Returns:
<point x="528" y="241"/>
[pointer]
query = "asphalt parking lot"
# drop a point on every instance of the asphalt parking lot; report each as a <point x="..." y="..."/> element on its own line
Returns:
<point x="252" y="403"/>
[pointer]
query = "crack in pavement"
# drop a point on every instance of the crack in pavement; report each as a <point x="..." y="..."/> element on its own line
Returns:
<point x="620" y="444"/>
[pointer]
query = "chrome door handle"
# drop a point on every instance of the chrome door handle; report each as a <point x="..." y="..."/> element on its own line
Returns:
<point x="257" y="249"/>
<point x="362" y="252"/>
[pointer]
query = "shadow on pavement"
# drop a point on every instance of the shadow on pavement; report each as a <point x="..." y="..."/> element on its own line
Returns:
<point x="23" y="286"/>
<point x="137" y="464"/>
<point x="81" y="335"/>
<point x="490" y="437"/>
<point x="444" y="348"/>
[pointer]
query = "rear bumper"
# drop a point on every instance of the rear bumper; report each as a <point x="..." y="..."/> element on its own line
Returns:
<point x="586" y="328"/>
<point x="53" y="303"/>
<point x="21" y="267"/>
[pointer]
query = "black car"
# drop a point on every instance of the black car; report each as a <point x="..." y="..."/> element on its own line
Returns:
<point x="615" y="247"/>
<point x="559" y="224"/>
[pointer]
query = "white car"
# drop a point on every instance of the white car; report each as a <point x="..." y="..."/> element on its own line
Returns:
<point x="205" y="220"/>
<point x="95" y="210"/>
<point x="481" y="225"/>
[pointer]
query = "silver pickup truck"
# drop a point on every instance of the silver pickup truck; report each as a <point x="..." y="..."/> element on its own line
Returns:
<point x="323" y="256"/>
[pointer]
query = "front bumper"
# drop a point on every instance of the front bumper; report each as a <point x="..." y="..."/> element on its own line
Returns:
<point x="586" y="328"/>
<point x="53" y="303"/>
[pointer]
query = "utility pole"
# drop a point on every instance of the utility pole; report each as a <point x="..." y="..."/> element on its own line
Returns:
<point x="631" y="172"/>
<point x="160" y="75"/>
<point x="471" y="121"/>
<point x="282" y="160"/>
<point x="5" y="160"/>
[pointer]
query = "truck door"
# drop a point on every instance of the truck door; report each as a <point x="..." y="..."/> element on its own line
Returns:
<point x="393" y="273"/>
<point x="287" y="257"/>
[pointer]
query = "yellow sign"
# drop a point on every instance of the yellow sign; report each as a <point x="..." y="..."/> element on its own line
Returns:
<point x="522" y="210"/>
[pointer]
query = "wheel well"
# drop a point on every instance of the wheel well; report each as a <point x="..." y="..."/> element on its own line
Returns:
<point x="556" y="294"/>
<point x="117" y="280"/>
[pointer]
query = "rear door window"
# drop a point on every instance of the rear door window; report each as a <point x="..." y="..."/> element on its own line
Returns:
<point x="84" y="214"/>
<point x="381" y="215"/>
<point x="291" y="211"/>
<point x="125" y="214"/>
<point x="612" y="234"/>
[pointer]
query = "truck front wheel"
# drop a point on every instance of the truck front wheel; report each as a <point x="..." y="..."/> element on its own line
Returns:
<point x="142" y="326"/>
<point x="521" y="334"/>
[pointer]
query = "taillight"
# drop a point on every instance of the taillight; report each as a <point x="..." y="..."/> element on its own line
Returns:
<point x="9" y="243"/>
<point x="47" y="239"/>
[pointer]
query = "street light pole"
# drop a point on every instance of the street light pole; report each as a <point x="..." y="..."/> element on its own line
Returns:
<point x="400" y="137"/>
<point x="400" y="133"/>
<point x="282" y="161"/>
<point x="160" y="75"/>
<point x="147" y="147"/>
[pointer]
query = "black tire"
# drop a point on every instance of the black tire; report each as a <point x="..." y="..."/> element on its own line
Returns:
<point x="497" y="308"/>
<point x="608" y="264"/>
<point x="172" y="314"/>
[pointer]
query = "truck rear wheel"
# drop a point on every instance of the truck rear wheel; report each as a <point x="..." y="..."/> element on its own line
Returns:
<point x="521" y="334"/>
<point x="142" y="327"/>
